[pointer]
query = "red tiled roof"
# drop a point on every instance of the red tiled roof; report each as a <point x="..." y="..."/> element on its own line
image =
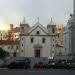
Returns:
<point x="17" y="29"/>
<point x="9" y="42"/>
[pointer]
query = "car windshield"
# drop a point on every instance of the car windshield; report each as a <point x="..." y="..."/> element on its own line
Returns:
<point x="72" y="61"/>
<point x="51" y="61"/>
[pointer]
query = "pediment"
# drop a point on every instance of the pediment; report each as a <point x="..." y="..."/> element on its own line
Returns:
<point x="38" y="27"/>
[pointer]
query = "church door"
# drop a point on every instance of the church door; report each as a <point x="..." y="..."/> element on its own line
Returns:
<point x="37" y="53"/>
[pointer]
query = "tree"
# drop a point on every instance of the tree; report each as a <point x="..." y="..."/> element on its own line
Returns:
<point x="3" y="53"/>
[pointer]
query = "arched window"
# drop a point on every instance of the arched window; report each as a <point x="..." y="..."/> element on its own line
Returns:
<point x="32" y="39"/>
<point x="43" y="40"/>
<point x="38" y="32"/>
<point x="53" y="30"/>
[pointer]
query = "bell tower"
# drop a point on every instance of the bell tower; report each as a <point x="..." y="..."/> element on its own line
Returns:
<point x="24" y="27"/>
<point x="51" y="28"/>
<point x="52" y="31"/>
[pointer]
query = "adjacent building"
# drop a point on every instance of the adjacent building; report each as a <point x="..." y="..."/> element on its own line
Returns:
<point x="69" y="36"/>
<point x="13" y="33"/>
<point x="59" y="40"/>
<point x="11" y="46"/>
<point x="9" y="40"/>
<point x="3" y="34"/>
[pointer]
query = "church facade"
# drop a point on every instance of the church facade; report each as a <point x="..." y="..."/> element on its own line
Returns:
<point x="37" y="41"/>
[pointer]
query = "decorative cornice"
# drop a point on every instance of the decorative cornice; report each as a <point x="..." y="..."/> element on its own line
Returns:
<point x="36" y="35"/>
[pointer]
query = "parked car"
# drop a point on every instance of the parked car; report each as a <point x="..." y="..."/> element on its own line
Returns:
<point x="19" y="64"/>
<point x="39" y="65"/>
<point x="50" y="64"/>
<point x="2" y="64"/>
<point x="71" y="64"/>
<point x="56" y="64"/>
<point x="16" y="64"/>
<point x="61" y="64"/>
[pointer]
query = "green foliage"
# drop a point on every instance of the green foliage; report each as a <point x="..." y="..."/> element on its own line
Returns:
<point x="3" y="53"/>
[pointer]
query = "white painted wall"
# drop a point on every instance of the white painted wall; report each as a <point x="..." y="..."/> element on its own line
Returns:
<point x="66" y="40"/>
<point x="28" y="47"/>
<point x="11" y="51"/>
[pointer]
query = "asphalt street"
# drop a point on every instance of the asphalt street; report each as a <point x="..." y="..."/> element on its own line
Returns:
<point x="36" y="72"/>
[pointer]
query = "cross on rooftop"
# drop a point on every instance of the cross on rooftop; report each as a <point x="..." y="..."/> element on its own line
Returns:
<point x="38" y="19"/>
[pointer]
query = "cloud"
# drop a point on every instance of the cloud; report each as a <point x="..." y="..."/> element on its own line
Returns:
<point x="57" y="9"/>
<point x="12" y="11"/>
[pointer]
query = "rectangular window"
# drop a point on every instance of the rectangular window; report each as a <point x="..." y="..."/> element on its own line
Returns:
<point x="1" y="34"/>
<point x="58" y="35"/>
<point x="65" y="50"/>
<point x="22" y="38"/>
<point x="22" y="44"/>
<point x="53" y="30"/>
<point x="53" y="39"/>
<point x="43" y="40"/>
<point x="32" y="40"/>
<point x="16" y="47"/>
<point x="22" y="27"/>
<point x="12" y="47"/>
<point x="8" y="47"/>
<point x="15" y="35"/>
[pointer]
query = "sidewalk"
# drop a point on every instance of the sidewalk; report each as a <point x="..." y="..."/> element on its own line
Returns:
<point x="3" y="68"/>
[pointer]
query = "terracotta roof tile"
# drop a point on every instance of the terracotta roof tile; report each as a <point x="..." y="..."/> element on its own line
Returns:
<point x="9" y="42"/>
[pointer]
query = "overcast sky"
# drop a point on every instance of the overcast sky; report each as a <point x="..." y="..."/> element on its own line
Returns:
<point x="13" y="11"/>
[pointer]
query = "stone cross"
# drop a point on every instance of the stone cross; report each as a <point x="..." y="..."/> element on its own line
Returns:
<point x="38" y="19"/>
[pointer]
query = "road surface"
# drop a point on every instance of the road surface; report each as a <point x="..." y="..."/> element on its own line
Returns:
<point x="36" y="72"/>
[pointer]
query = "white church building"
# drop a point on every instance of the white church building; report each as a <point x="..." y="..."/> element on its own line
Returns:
<point x="37" y="41"/>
